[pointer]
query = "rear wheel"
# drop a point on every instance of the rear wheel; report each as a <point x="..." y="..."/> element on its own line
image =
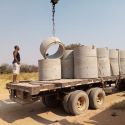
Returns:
<point x="121" y="85"/>
<point x="50" y="100"/>
<point x="78" y="102"/>
<point x="65" y="102"/>
<point x="96" y="98"/>
<point x="88" y="91"/>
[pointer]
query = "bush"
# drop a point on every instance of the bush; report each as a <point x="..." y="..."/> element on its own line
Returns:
<point x="6" y="68"/>
<point x="72" y="46"/>
<point x="28" y="68"/>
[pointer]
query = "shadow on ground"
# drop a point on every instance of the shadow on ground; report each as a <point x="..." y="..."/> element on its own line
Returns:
<point x="115" y="115"/>
<point x="66" y="122"/>
<point x="10" y="112"/>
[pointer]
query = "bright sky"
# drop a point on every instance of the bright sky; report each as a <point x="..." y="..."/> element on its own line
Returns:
<point x="28" y="22"/>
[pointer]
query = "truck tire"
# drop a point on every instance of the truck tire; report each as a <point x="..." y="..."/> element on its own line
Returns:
<point x="89" y="90"/>
<point x="96" y="98"/>
<point x="78" y="102"/>
<point x="42" y="99"/>
<point x="50" y="101"/>
<point x="65" y="102"/>
<point x="121" y="85"/>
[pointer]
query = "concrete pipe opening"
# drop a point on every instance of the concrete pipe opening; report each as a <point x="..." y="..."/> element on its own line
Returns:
<point x="52" y="48"/>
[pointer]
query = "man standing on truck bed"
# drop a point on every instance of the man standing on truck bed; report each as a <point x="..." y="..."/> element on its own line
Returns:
<point x="16" y="63"/>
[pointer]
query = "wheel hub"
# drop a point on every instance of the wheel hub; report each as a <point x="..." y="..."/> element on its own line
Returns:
<point x="81" y="103"/>
<point x="100" y="98"/>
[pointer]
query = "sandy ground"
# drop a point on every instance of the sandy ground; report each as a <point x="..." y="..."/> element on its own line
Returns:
<point x="37" y="114"/>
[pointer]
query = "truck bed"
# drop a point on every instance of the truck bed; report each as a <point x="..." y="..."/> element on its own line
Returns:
<point x="35" y="87"/>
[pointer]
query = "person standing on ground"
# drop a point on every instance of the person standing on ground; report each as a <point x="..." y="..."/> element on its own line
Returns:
<point x="16" y="63"/>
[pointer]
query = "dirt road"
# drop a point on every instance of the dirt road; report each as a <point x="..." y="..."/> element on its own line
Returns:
<point x="37" y="114"/>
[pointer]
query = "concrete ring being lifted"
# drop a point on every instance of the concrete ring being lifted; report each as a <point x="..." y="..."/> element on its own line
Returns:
<point x="46" y="44"/>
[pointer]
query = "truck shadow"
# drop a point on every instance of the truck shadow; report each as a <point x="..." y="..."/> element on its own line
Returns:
<point x="111" y="116"/>
<point x="66" y="122"/>
<point x="10" y="112"/>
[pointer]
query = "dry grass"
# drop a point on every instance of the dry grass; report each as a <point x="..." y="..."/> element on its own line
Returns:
<point x="5" y="78"/>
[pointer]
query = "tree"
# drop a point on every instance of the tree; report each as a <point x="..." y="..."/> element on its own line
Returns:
<point x="72" y="46"/>
<point x="5" y="68"/>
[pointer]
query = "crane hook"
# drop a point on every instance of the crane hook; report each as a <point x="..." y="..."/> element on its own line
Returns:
<point x="54" y="2"/>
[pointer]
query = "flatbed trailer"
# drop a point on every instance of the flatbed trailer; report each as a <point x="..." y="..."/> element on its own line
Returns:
<point x="76" y="95"/>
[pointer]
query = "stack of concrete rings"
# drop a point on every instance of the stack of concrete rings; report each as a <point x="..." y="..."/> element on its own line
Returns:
<point x="122" y="62"/>
<point x="114" y="61"/>
<point x="103" y="62"/>
<point x="67" y="62"/>
<point x="50" y="66"/>
<point x="85" y="62"/>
